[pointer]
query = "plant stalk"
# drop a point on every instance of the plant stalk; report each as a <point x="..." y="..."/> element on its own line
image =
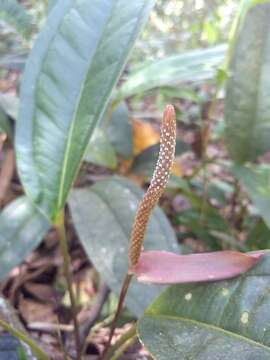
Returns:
<point x="126" y="340"/>
<point x="120" y="351"/>
<point x="26" y="339"/>
<point x="60" y="227"/>
<point x="120" y="304"/>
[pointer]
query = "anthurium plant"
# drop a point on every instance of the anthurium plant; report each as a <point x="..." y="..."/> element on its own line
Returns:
<point x="218" y="301"/>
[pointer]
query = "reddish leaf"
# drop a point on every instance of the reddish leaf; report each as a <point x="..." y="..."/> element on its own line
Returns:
<point x="161" y="267"/>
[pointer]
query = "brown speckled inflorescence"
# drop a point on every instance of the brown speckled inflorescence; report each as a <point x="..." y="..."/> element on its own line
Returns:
<point x="157" y="185"/>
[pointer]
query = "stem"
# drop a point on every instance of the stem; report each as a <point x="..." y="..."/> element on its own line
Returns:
<point x="60" y="227"/>
<point x="126" y="340"/>
<point x="26" y="339"/>
<point x="100" y="325"/>
<point x="124" y="347"/>
<point x="102" y="296"/>
<point x="122" y="296"/>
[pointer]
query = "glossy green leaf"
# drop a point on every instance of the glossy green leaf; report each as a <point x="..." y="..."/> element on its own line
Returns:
<point x="256" y="184"/>
<point x="100" y="151"/>
<point x="222" y="320"/>
<point x="67" y="83"/>
<point x="195" y="65"/>
<point x="119" y="131"/>
<point x="103" y="215"/>
<point x="22" y="228"/>
<point x="247" y="105"/>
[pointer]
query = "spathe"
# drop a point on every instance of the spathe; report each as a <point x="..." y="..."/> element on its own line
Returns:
<point x="161" y="267"/>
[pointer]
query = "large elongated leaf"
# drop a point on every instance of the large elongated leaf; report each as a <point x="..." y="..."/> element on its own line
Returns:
<point x="103" y="216"/>
<point x="196" y="65"/>
<point x="247" y="105"/>
<point x="22" y="227"/>
<point x="68" y="80"/>
<point x="223" y="320"/>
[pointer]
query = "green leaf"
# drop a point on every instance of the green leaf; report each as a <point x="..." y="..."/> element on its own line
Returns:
<point x="256" y="184"/>
<point x="15" y="14"/>
<point x="195" y="65"/>
<point x="113" y="135"/>
<point x="22" y="228"/>
<point x="100" y="151"/>
<point x="119" y="131"/>
<point x="67" y="83"/>
<point x="103" y="215"/>
<point x="222" y="320"/>
<point x="247" y="104"/>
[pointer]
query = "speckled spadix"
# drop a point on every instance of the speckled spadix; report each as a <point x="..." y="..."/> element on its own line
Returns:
<point x="157" y="185"/>
<point x="160" y="267"/>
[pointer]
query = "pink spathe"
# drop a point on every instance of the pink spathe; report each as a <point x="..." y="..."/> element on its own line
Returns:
<point x="161" y="267"/>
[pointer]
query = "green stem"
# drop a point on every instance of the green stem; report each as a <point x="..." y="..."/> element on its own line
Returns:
<point x="125" y="341"/>
<point x="60" y="227"/>
<point x="123" y="348"/>
<point x="26" y="339"/>
<point x="122" y="296"/>
<point x="106" y="322"/>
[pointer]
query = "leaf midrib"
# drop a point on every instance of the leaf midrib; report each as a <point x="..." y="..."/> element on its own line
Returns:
<point x="71" y="129"/>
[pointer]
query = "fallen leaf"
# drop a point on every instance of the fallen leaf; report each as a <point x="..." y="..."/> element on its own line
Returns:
<point x="144" y="135"/>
